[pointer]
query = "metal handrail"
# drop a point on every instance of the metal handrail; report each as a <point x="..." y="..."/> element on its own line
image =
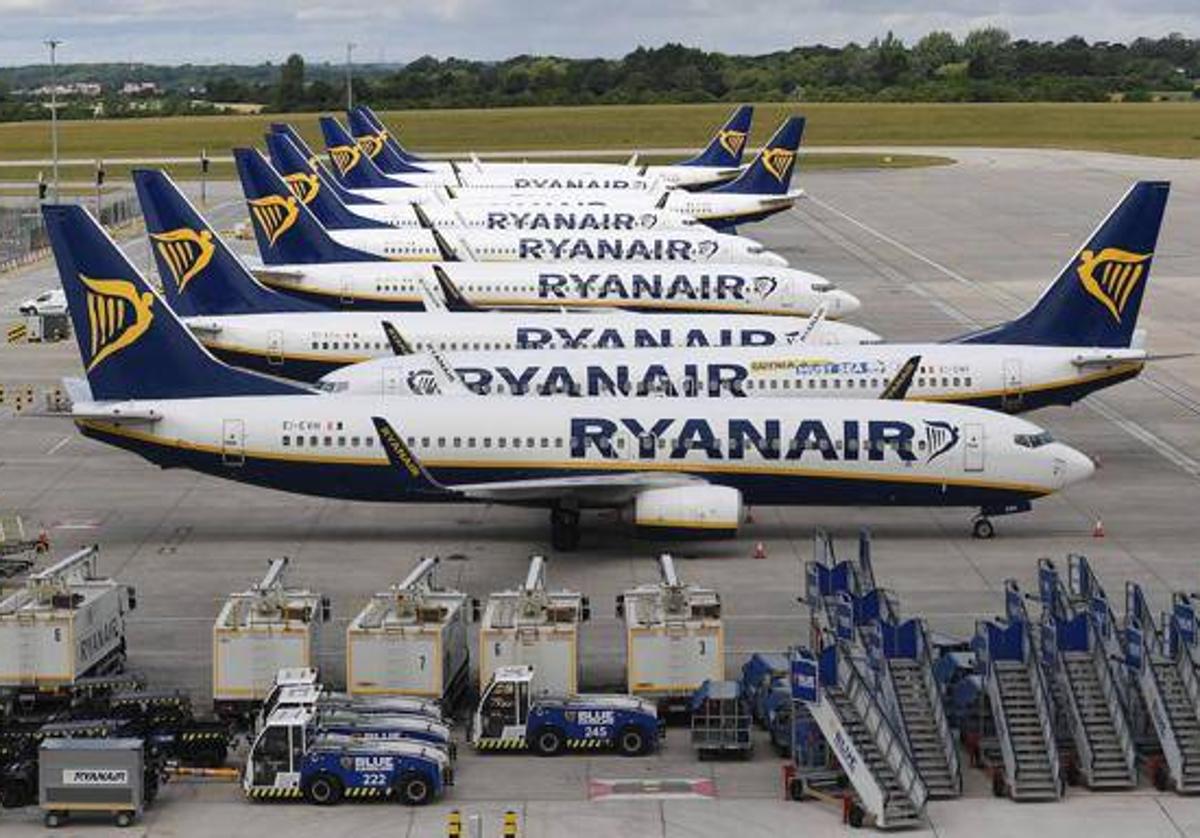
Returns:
<point x="1042" y="698"/>
<point x="991" y="683"/>
<point x="934" y="694"/>
<point x="1109" y="685"/>
<point x="884" y="735"/>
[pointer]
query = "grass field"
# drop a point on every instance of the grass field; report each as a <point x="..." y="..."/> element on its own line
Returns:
<point x="1169" y="129"/>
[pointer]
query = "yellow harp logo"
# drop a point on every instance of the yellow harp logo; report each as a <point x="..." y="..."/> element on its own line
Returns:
<point x="117" y="316"/>
<point x="186" y="252"/>
<point x="778" y="161"/>
<point x="1111" y="275"/>
<point x="304" y="186"/>
<point x="372" y="144"/>
<point x="275" y="214"/>
<point x="732" y="141"/>
<point x="345" y="157"/>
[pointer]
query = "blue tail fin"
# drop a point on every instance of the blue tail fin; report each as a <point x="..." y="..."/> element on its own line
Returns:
<point x="309" y="163"/>
<point x="356" y="169"/>
<point x="200" y="274"/>
<point x="726" y="147"/>
<point x="1096" y="298"/>
<point x="287" y="233"/>
<point x="132" y="345"/>
<point x="312" y="189"/>
<point x="771" y="171"/>
<point x="373" y="140"/>
<point x="371" y="121"/>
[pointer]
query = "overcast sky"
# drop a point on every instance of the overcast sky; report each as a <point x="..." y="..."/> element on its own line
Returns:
<point x="250" y="31"/>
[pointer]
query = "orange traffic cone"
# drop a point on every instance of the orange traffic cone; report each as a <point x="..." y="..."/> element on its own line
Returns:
<point x="760" y="550"/>
<point x="1098" y="530"/>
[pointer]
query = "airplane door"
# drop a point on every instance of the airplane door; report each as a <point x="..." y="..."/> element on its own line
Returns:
<point x="1011" y="398"/>
<point x="973" y="447"/>
<point x="275" y="347"/>
<point x="347" y="293"/>
<point x="233" y="442"/>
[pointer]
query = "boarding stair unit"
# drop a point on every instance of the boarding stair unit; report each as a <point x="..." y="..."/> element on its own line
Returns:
<point x="1165" y="672"/>
<point x="857" y="706"/>
<point x="1079" y="653"/>
<point x="1020" y="703"/>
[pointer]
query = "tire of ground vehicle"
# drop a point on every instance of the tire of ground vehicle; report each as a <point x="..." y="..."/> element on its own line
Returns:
<point x="856" y="816"/>
<point x="413" y="789"/>
<point x="631" y="742"/>
<point x="548" y="742"/>
<point x="324" y="790"/>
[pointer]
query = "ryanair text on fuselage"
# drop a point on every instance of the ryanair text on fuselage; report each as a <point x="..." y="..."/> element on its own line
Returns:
<point x="657" y="286"/>
<point x="622" y="249"/>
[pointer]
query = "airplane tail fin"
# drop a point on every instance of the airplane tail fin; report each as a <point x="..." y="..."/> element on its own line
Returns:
<point x="131" y="343"/>
<point x="310" y="187"/>
<point x="771" y="171"/>
<point x="372" y="121"/>
<point x="200" y="274"/>
<point x="725" y="149"/>
<point x="287" y="233"/>
<point x="356" y="169"/>
<point x="291" y="156"/>
<point x="1097" y="296"/>
<point x="373" y="139"/>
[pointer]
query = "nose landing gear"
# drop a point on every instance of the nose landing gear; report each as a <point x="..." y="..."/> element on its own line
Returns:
<point x="982" y="526"/>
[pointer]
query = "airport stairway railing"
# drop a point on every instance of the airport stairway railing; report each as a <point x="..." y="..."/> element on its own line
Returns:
<point x="1166" y="679"/>
<point x="1020" y="702"/>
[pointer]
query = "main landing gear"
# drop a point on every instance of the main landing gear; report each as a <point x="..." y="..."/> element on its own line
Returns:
<point x="982" y="526"/>
<point x="564" y="528"/>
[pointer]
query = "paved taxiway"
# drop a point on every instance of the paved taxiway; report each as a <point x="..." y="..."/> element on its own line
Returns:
<point x="931" y="252"/>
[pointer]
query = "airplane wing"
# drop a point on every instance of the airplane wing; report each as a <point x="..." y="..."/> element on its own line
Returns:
<point x="898" y="387"/>
<point x="613" y="488"/>
<point x="120" y="412"/>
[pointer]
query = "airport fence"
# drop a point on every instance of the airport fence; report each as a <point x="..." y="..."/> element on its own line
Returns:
<point x="23" y="236"/>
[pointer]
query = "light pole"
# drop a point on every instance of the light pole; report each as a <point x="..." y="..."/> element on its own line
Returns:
<point x="350" y="75"/>
<point x="54" y="44"/>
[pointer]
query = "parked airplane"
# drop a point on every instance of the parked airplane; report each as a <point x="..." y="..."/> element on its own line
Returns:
<point x="680" y="465"/>
<point x="308" y="262"/>
<point x="1078" y="337"/>
<point x="309" y="184"/>
<point x="358" y="170"/>
<point x="246" y="324"/>
<point x="273" y="209"/>
<point x="760" y="191"/>
<point x="720" y="160"/>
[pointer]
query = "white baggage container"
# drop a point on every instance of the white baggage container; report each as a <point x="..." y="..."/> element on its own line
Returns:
<point x="65" y="623"/>
<point x="410" y="640"/>
<point x="674" y="638"/>
<point x="259" y="632"/>
<point x="534" y="627"/>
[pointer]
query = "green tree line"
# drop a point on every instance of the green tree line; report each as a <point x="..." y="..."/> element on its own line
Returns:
<point x="988" y="65"/>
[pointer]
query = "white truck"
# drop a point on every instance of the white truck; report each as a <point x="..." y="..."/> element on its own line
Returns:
<point x="65" y="623"/>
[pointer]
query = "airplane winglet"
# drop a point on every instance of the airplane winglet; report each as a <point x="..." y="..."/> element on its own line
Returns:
<point x="404" y="460"/>
<point x="455" y="300"/>
<point x="898" y="387"/>
<point x="396" y="341"/>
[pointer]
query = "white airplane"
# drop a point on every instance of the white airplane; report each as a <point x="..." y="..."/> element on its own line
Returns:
<point x="274" y="209"/>
<point x="1078" y="337"/>
<point x="336" y="208"/>
<point x="720" y="160"/>
<point x="254" y="327"/>
<point x="682" y="466"/>
<point x="761" y="190"/>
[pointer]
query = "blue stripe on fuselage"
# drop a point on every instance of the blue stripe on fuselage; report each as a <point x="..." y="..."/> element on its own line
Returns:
<point x="381" y="482"/>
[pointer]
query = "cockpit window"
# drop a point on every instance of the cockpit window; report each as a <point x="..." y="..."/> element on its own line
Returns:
<point x="755" y="248"/>
<point x="1033" y="440"/>
<point x="822" y="287"/>
<point x="333" y="386"/>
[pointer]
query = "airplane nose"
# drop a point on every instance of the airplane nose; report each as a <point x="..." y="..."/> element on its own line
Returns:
<point x="1077" y="466"/>
<point x="844" y="302"/>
